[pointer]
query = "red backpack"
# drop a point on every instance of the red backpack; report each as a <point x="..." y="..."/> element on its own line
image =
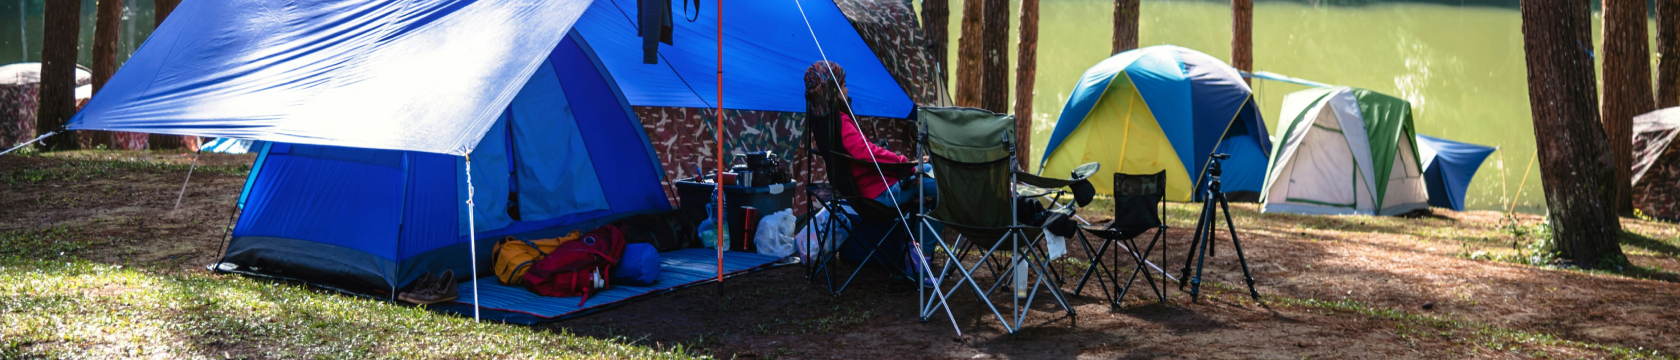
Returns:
<point x="578" y="267"/>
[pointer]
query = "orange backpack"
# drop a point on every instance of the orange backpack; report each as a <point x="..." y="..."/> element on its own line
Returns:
<point x="513" y="257"/>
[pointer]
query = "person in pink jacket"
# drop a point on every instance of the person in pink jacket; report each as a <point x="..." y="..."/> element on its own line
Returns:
<point x="826" y="92"/>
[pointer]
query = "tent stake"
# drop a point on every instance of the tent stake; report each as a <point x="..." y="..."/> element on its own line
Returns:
<point x="472" y="234"/>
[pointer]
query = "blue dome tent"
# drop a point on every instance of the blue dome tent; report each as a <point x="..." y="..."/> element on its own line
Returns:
<point x="1448" y="167"/>
<point x="1162" y="108"/>
<point x="374" y="111"/>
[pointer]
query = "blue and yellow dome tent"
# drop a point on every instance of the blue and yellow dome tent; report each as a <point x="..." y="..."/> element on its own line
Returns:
<point x="1162" y="108"/>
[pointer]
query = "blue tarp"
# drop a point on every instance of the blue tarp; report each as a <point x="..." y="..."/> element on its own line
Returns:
<point x="420" y="75"/>
<point x="766" y="50"/>
<point x="1448" y="167"/>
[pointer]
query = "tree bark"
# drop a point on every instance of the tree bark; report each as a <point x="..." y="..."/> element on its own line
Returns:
<point x="1575" y="160"/>
<point x="161" y="9"/>
<point x="1627" y="88"/>
<point x="936" y="22"/>
<point x="969" y="64"/>
<point x="58" y="72"/>
<point x="1125" y="26"/>
<point x="995" y="97"/>
<point x="1242" y="35"/>
<point x="106" y="28"/>
<point x="1668" y="53"/>
<point x="1026" y="66"/>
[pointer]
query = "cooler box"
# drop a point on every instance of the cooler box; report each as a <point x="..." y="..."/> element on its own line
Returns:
<point x="693" y="197"/>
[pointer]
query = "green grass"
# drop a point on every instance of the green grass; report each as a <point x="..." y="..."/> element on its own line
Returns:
<point x="56" y="309"/>
<point x="75" y="169"/>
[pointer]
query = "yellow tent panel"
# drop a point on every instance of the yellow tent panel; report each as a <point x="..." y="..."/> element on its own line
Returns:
<point x="1121" y="134"/>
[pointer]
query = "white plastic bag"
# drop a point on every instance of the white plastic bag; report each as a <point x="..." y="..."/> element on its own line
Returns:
<point x="775" y="234"/>
<point x="1056" y="246"/>
<point x="807" y="239"/>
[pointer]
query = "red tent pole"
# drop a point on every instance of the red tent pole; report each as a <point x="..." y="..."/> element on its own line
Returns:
<point x="718" y="131"/>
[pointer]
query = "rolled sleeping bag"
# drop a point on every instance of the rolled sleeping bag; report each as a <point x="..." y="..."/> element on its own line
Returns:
<point x="639" y="267"/>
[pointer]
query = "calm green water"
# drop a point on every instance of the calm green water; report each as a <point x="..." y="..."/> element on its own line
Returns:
<point x="1461" y="67"/>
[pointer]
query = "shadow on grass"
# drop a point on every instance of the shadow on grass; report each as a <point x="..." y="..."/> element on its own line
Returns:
<point x="1645" y="242"/>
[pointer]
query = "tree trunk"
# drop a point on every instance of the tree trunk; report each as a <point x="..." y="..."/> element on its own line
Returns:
<point x="1575" y="160"/>
<point x="162" y="8"/>
<point x="1627" y="88"/>
<point x="58" y="71"/>
<point x="969" y="64"/>
<point x="1125" y="26"/>
<point x="107" y="26"/>
<point x="936" y="22"/>
<point x="1026" y="66"/>
<point x="995" y="97"/>
<point x="1668" y="53"/>
<point x="1242" y="35"/>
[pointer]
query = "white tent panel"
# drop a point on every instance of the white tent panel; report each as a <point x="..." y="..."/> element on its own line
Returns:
<point x="1406" y="191"/>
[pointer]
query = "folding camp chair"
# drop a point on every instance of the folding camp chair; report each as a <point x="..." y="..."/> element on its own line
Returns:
<point x="1139" y="206"/>
<point x="979" y="188"/>
<point x="841" y="198"/>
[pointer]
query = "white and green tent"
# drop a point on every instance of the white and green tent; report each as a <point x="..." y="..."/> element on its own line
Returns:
<point x="1344" y="151"/>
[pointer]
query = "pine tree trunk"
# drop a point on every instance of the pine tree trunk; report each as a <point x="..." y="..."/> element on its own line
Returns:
<point x="1575" y="160"/>
<point x="58" y="72"/>
<point x="1668" y="53"/>
<point x="161" y="9"/>
<point x="995" y="97"/>
<point x="936" y="22"/>
<point x="1242" y="35"/>
<point x="969" y="63"/>
<point x="1125" y="26"/>
<point x="1627" y="88"/>
<point x="107" y="26"/>
<point x="1026" y="66"/>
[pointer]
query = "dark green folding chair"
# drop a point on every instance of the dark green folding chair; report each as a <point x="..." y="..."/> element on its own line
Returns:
<point x="973" y="157"/>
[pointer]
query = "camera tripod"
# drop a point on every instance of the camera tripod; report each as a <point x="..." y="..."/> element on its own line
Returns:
<point x="1203" y="239"/>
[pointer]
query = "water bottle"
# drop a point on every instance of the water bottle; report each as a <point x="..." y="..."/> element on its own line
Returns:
<point x="1020" y="278"/>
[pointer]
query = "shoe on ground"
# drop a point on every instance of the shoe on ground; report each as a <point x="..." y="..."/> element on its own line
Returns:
<point x="440" y="289"/>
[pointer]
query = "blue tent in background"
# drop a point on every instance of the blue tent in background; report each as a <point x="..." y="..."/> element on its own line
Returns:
<point x="1448" y="167"/>
<point x="372" y="110"/>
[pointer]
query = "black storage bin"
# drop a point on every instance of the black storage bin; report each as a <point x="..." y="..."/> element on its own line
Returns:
<point x="693" y="197"/>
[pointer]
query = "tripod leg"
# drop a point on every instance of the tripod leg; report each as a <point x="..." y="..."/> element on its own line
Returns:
<point x="1207" y="243"/>
<point x="1238" y="245"/>
<point x="1195" y="243"/>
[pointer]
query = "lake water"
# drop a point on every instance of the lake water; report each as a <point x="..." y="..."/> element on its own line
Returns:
<point x="1461" y="66"/>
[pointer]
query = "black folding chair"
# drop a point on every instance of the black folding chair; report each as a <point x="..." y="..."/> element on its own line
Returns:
<point x="840" y="197"/>
<point x="1139" y="206"/>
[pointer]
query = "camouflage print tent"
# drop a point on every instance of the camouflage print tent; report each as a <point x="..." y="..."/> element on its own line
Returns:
<point x="1656" y="164"/>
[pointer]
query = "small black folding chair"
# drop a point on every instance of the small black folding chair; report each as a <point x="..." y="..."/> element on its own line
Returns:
<point x="1139" y="206"/>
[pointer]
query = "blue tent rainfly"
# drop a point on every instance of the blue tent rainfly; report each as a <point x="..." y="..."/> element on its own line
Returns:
<point x="1448" y="167"/>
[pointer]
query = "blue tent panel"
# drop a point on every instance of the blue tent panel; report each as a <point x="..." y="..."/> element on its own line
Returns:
<point x="765" y="54"/>
<point x="1158" y="73"/>
<point x="1448" y="168"/>
<point x="379" y="74"/>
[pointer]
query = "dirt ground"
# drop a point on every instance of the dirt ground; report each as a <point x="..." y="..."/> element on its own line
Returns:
<point x="1333" y="287"/>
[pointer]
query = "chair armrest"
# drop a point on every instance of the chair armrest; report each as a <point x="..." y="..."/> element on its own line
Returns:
<point x="1079" y="183"/>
